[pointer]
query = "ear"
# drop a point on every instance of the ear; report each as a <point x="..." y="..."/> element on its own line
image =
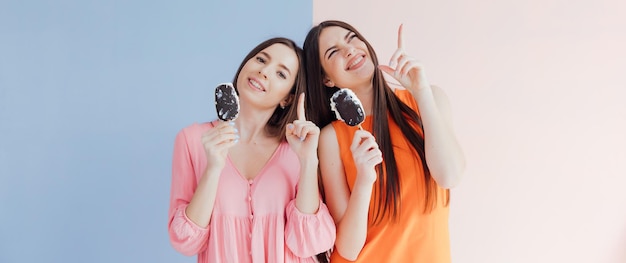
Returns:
<point x="286" y="101"/>
<point x="329" y="83"/>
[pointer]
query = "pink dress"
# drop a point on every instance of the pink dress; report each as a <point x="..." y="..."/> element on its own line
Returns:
<point x="252" y="220"/>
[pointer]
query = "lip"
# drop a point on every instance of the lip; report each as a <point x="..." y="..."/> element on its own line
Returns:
<point x="350" y="63"/>
<point x="253" y="81"/>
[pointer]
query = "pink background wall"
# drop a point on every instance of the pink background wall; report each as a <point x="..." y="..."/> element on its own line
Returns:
<point x="538" y="90"/>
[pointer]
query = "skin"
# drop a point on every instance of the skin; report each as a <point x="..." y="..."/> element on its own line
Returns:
<point x="347" y="63"/>
<point x="264" y="84"/>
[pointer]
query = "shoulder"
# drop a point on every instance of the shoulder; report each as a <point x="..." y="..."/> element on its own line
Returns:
<point x="403" y="95"/>
<point x="194" y="131"/>
<point x="328" y="133"/>
<point x="329" y="149"/>
<point x="330" y="138"/>
<point x="440" y="96"/>
<point x="395" y="87"/>
<point x="399" y="91"/>
<point x="198" y="127"/>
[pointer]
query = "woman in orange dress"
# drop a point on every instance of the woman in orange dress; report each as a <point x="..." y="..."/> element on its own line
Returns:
<point x="386" y="185"/>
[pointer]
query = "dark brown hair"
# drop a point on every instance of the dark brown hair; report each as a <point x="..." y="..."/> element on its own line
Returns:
<point x="275" y="126"/>
<point x="385" y="103"/>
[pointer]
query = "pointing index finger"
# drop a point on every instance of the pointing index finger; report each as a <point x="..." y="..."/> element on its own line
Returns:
<point x="400" y="39"/>
<point x="301" y="113"/>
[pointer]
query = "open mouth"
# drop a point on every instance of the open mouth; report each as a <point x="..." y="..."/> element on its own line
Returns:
<point x="256" y="85"/>
<point x="356" y="62"/>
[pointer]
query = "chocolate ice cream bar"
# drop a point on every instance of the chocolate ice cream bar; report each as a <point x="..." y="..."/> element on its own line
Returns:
<point x="226" y="102"/>
<point x="347" y="107"/>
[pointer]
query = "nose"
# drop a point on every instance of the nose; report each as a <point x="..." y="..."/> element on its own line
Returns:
<point x="263" y="72"/>
<point x="350" y="51"/>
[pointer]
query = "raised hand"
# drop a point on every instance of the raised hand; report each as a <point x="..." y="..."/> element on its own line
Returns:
<point x="216" y="143"/>
<point x="366" y="156"/>
<point x="303" y="135"/>
<point x="406" y="69"/>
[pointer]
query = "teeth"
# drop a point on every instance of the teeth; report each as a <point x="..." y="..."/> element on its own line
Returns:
<point x="256" y="84"/>
<point x="356" y="61"/>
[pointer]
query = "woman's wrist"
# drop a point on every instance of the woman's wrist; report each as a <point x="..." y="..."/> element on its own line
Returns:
<point x="312" y="162"/>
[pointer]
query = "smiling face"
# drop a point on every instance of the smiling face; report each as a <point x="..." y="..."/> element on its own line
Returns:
<point x="344" y="58"/>
<point x="267" y="78"/>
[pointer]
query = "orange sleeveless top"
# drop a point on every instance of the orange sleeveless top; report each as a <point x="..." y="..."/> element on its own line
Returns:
<point x="414" y="236"/>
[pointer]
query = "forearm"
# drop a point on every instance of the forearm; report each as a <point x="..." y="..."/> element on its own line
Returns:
<point x="444" y="156"/>
<point x="201" y="205"/>
<point x="308" y="197"/>
<point x="352" y="229"/>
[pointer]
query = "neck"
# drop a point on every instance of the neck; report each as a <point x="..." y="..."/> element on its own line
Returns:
<point x="365" y="94"/>
<point x="251" y="125"/>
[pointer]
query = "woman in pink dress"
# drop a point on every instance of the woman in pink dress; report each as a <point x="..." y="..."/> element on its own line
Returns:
<point x="247" y="190"/>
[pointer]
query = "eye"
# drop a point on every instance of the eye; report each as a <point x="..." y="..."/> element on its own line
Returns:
<point x="352" y="36"/>
<point x="260" y="59"/>
<point x="281" y="75"/>
<point x="332" y="53"/>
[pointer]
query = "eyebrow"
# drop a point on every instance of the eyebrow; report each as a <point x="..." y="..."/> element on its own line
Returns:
<point x="345" y="38"/>
<point x="280" y="65"/>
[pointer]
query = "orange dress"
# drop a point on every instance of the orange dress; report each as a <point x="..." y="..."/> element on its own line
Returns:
<point x="415" y="236"/>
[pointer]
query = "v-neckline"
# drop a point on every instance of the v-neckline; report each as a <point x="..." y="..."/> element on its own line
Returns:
<point x="262" y="171"/>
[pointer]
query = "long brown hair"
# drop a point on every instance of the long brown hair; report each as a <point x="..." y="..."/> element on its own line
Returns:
<point x="385" y="103"/>
<point x="275" y="126"/>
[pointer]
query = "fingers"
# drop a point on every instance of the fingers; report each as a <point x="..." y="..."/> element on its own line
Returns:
<point x="365" y="149"/>
<point x="393" y="62"/>
<point x="301" y="113"/>
<point x="302" y="129"/>
<point x="387" y="69"/>
<point x="373" y="157"/>
<point x="400" y="39"/>
<point x="222" y="135"/>
<point x="363" y="141"/>
<point x="400" y="51"/>
<point x="404" y="65"/>
<point x="407" y="66"/>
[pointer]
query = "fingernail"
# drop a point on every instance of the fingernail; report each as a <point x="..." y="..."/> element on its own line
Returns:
<point x="290" y="126"/>
<point x="236" y="136"/>
<point x="236" y="130"/>
<point x="231" y="123"/>
<point x="301" y="139"/>
<point x="236" y="140"/>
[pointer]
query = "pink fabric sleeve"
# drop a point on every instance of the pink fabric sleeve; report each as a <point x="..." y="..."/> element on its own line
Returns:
<point x="307" y="235"/>
<point x="185" y="236"/>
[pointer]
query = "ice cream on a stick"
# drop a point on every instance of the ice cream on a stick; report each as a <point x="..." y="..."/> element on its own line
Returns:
<point x="347" y="107"/>
<point x="226" y="102"/>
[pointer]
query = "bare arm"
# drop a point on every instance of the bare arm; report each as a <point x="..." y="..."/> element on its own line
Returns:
<point x="200" y="207"/>
<point x="309" y="227"/>
<point x="349" y="210"/>
<point x="444" y="156"/>
<point x="308" y="197"/>
<point x="303" y="138"/>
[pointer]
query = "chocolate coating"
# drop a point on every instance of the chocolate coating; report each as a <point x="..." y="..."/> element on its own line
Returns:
<point x="226" y="102"/>
<point x="347" y="107"/>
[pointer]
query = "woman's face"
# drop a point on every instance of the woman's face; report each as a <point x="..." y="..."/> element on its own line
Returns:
<point x="266" y="79"/>
<point x="344" y="58"/>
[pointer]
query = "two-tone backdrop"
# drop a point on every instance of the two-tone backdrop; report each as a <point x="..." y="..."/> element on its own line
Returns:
<point x="92" y="94"/>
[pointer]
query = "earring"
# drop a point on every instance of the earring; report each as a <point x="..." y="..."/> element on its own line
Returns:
<point x="282" y="107"/>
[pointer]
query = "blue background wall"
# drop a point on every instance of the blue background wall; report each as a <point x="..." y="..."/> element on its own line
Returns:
<point x="92" y="94"/>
